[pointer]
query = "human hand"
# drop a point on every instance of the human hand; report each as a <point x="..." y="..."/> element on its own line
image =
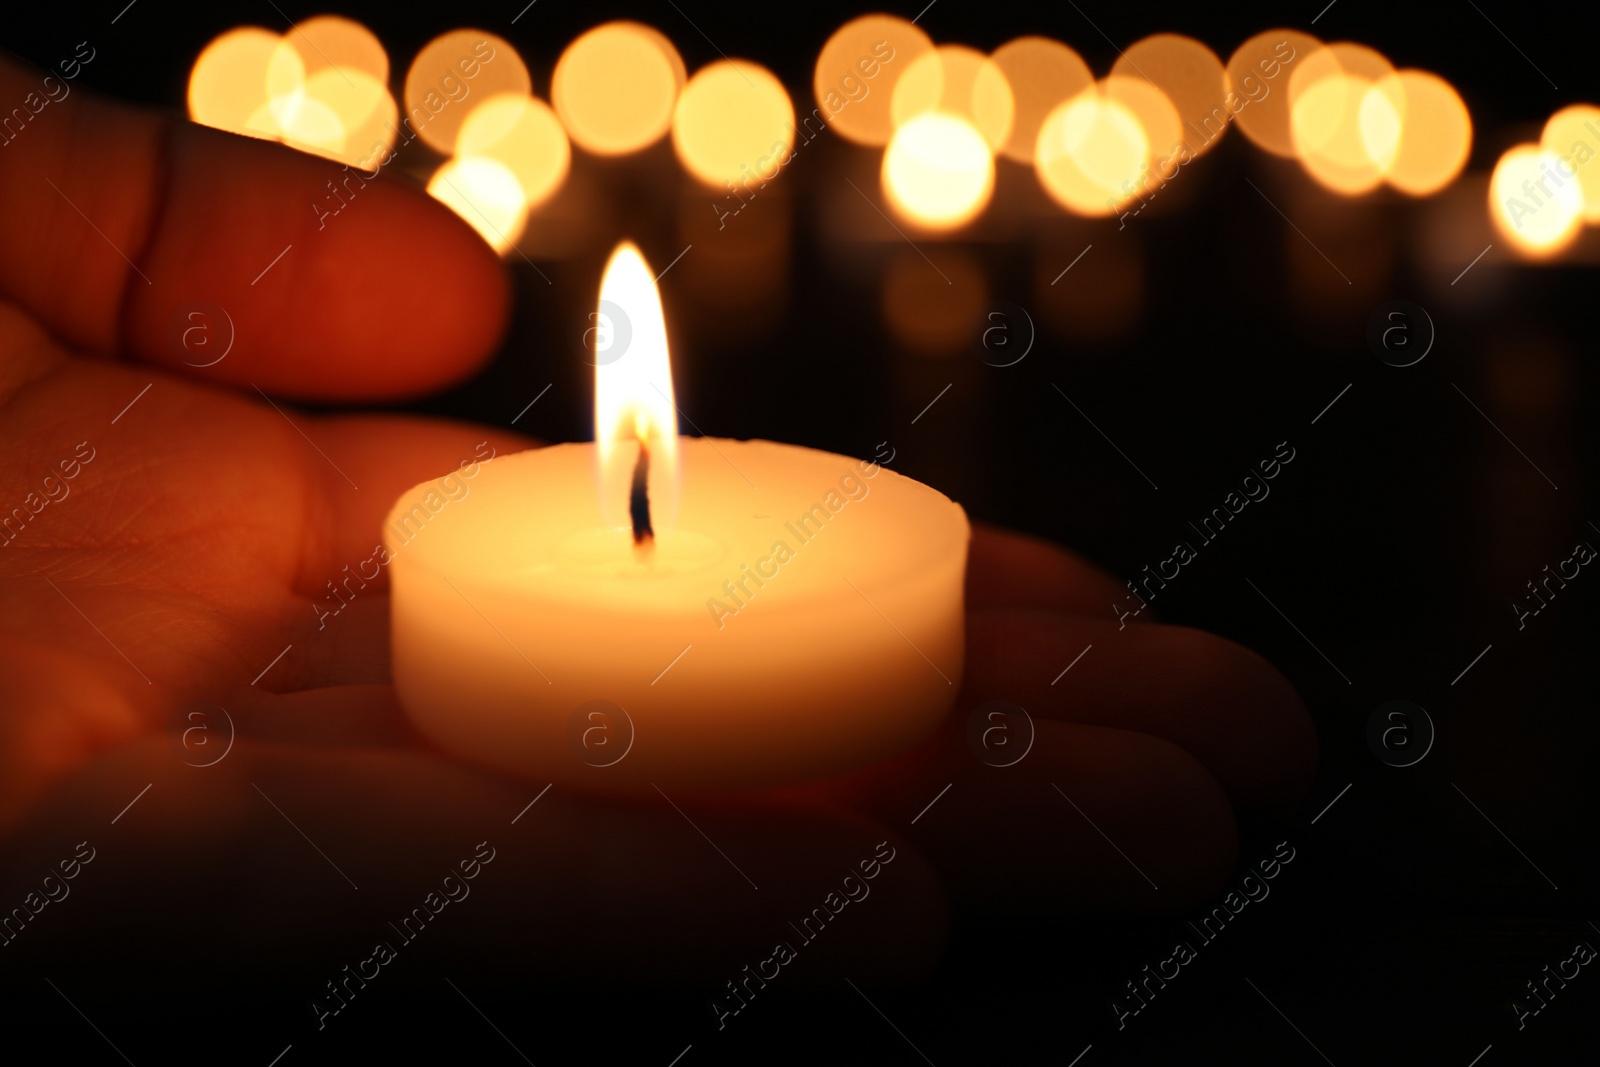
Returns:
<point x="182" y="558"/>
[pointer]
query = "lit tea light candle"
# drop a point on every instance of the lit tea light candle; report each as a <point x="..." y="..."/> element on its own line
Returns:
<point x="719" y="614"/>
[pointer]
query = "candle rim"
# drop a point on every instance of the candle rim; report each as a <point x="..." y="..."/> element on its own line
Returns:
<point x="953" y="538"/>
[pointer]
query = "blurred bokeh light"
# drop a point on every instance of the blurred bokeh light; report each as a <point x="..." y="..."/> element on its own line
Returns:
<point x="615" y="88"/>
<point x="345" y="115"/>
<point x="734" y="124"/>
<point x="228" y="83"/>
<point x="1258" y="81"/>
<point x="485" y="193"/>
<point x="304" y="121"/>
<point x="1432" y="132"/>
<point x="958" y="81"/>
<point x="451" y="70"/>
<point x="320" y="88"/>
<point x="525" y="136"/>
<point x="1573" y="134"/>
<point x="1327" y="134"/>
<point x="1534" y="206"/>
<point x="938" y="170"/>
<point x="856" y="74"/>
<point x="1327" y="90"/>
<point x="1193" y="80"/>
<point x="1163" y="129"/>
<point x="1042" y="73"/>
<point x="346" y="73"/>
<point x="1092" y="151"/>
<point x="333" y="41"/>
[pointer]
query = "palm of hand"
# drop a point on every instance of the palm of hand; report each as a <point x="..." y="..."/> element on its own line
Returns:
<point x="185" y="556"/>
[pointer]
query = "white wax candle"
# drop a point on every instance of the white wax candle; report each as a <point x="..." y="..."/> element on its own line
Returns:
<point x="801" y="616"/>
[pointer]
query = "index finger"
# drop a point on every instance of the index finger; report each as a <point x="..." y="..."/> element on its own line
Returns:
<point x="121" y="218"/>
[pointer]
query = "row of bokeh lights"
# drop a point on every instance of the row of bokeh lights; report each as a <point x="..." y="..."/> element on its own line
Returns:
<point x="941" y="114"/>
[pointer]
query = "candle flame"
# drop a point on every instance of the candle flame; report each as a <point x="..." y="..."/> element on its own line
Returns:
<point x="633" y="398"/>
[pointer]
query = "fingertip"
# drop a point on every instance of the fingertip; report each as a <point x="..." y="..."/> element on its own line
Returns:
<point x="1230" y="707"/>
<point x="311" y="279"/>
<point x="1254" y="717"/>
<point x="333" y="284"/>
<point x="1091" y="818"/>
<point x="1170" y="811"/>
<point x="1006" y="568"/>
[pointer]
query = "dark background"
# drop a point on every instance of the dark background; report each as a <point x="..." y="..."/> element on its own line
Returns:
<point x="1196" y="338"/>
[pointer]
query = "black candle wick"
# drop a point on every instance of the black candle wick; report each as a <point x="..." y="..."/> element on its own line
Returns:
<point x="639" y="498"/>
